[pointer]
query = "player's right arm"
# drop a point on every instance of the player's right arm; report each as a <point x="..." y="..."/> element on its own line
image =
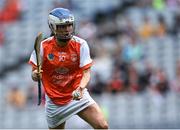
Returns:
<point x="35" y="75"/>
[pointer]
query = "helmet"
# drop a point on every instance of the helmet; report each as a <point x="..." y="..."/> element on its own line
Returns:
<point x="61" y="16"/>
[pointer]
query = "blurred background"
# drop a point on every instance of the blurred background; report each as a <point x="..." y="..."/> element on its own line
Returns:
<point x="135" y="45"/>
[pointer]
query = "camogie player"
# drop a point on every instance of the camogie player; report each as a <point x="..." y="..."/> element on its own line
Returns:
<point x="65" y="73"/>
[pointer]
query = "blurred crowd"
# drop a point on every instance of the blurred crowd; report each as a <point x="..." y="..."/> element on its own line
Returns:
<point x="117" y="39"/>
<point x="10" y="11"/>
<point x="118" y="42"/>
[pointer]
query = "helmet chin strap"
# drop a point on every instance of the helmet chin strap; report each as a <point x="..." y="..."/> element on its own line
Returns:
<point x="61" y="42"/>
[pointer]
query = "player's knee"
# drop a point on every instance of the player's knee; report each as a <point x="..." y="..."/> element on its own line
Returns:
<point x="102" y="125"/>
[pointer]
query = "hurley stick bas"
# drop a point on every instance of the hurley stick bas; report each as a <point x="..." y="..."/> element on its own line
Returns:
<point x="37" y="45"/>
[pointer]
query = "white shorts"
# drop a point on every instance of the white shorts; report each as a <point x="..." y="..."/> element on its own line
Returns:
<point x="57" y="114"/>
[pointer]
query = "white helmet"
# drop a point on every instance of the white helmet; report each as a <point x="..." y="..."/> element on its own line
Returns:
<point x="60" y="16"/>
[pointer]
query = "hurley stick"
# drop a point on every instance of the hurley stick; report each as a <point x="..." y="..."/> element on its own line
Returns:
<point x="37" y="45"/>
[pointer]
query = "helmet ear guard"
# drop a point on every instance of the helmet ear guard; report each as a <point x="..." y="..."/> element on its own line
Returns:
<point x="51" y="27"/>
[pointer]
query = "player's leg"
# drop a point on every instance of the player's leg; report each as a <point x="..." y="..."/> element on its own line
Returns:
<point x="61" y="126"/>
<point x="94" y="116"/>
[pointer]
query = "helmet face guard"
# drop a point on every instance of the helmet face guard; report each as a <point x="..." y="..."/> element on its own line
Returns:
<point x="60" y="17"/>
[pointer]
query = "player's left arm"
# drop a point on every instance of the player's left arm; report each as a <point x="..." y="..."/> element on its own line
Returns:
<point x="78" y="93"/>
<point x="85" y="79"/>
<point x="85" y="65"/>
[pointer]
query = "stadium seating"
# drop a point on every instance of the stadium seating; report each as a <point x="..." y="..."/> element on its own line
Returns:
<point x="123" y="110"/>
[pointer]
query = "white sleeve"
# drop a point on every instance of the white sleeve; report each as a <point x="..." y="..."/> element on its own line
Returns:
<point x="85" y="58"/>
<point x="33" y="55"/>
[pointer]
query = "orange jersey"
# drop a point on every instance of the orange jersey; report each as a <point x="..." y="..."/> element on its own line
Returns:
<point x="62" y="67"/>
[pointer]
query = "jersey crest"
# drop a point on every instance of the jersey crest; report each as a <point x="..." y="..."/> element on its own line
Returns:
<point x="50" y="56"/>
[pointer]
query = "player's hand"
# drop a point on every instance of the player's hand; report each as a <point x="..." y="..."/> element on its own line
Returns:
<point x="77" y="94"/>
<point x="36" y="75"/>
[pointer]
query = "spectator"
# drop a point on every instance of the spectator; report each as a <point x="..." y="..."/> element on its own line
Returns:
<point x="147" y="29"/>
<point x="99" y="86"/>
<point x="103" y="64"/>
<point x="176" y="25"/>
<point x="11" y="11"/>
<point x="144" y="77"/>
<point x="2" y="38"/>
<point x="32" y="96"/>
<point x="161" y="29"/>
<point x="116" y="83"/>
<point x="132" y="50"/>
<point x="128" y="29"/>
<point x="133" y="84"/>
<point x="159" y="82"/>
<point x="159" y="4"/>
<point x="16" y="98"/>
<point x="173" y="5"/>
